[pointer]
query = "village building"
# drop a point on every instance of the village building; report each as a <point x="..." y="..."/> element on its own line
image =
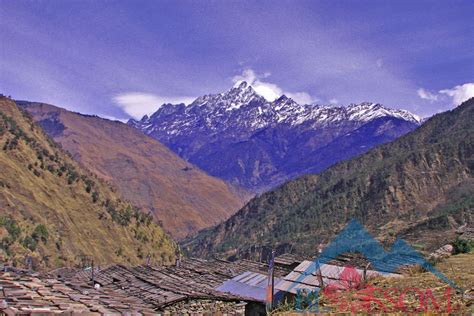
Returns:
<point x="193" y="287"/>
<point x="310" y="277"/>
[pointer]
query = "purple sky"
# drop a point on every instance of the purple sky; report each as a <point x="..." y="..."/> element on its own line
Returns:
<point x="124" y="58"/>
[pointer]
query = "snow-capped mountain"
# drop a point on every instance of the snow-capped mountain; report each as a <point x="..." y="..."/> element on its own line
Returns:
<point x="241" y="137"/>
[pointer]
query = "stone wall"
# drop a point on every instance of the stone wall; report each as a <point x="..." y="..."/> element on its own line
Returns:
<point x="205" y="307"/>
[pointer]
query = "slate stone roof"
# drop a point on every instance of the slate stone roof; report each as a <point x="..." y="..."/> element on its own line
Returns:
<point x="23" y="293"/>
<point x="194" y="278"/>
<point x="123" y="290"/>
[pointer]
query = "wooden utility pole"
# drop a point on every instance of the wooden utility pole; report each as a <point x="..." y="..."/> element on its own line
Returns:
<point x="319" y="275"/>
<point x="270" y="283"/>
<point x="92" y="273"/>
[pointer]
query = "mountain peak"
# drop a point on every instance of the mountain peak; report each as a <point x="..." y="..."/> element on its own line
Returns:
<point x="240" y="94"/>
<point x="283" y="98"/>
<point x="229" y="125"/>
<point x="241" y="89"/>
<point x="367" y="111"/>
<point x="241" y="85"/>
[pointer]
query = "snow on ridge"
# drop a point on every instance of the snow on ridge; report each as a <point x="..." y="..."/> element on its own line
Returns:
<point x="241" y="108"/>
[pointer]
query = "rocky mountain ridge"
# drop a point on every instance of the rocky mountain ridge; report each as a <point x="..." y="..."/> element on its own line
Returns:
<point x="263" y="136"/>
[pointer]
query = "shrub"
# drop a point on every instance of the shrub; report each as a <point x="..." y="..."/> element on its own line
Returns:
<point x="89" y="184"/>
<point x="11" y="226"/>
<point x="95" y="196"/>
<point x="121" y="216"/>
<point x="29" y="243"/>
<point x="5" y="244"/>
<point x="71" y="179"/>
<point x="462" y="245"/>
<point x="124" y="216"/>
<point x="14" y="142"/>
<point x="40" y="233"/>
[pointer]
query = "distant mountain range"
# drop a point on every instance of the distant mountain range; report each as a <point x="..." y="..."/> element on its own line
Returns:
<point x="241" y="137"/>
<point x="54" y="212"/>
<point x="179" y="195"/>
<point x="419" y="187"/>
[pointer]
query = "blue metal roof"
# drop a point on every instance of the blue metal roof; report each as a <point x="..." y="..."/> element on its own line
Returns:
<point x="248" y="284"/>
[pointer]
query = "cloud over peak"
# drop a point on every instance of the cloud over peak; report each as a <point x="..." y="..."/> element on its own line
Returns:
<point x="268" y="90"/>
<point x="137" y="104"/>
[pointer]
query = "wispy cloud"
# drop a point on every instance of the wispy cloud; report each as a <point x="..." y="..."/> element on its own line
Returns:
<point x="137" y="104"/>
<point x="268" y="90"/>
<point x="113" y="118"/>
<point x="427" y="95"/>
<point x="460" y="93"/>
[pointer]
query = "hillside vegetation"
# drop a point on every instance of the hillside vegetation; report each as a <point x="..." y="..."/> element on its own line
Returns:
<point x="55" y="213"/>
<point x="181" y="197"/>
<point x="419" y="187"/>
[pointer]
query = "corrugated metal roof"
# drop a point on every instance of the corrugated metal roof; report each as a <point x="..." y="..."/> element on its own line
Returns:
<point x="248" y="284"/>
<point x="251" y="278"/>
<point x="305" y="276"/>
<point x="288" y="286"/>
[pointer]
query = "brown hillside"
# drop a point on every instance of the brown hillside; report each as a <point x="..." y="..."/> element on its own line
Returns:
<point x="182" y="197"/>
<point x="57" y="213"/>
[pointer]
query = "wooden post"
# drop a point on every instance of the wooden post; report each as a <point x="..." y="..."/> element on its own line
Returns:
<point x="319" y="275"/>
<point x="364" y="277"/>
<point x="273" y="283"/>
<point x="92" y="273"/>
<point x="270" y="284"/>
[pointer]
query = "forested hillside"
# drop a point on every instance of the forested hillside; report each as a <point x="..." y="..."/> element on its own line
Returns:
<point x="419" y="187"/>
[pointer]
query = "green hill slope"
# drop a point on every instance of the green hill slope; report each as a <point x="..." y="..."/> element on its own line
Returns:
<point x="419" y="187"/>
<point x="53" y="210"/>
